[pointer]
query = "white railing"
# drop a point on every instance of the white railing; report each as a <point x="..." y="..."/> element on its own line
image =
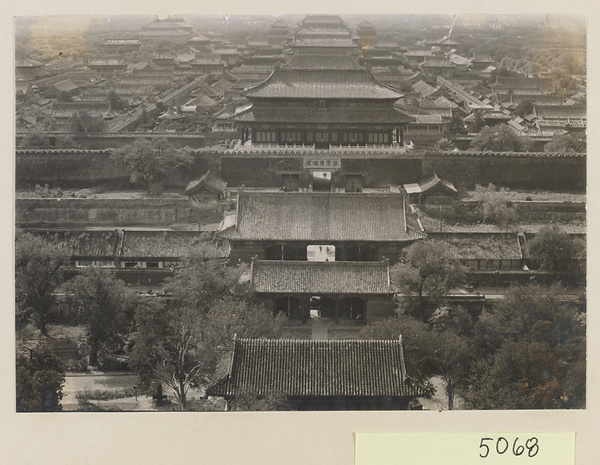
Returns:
<point x="395" y="148"/>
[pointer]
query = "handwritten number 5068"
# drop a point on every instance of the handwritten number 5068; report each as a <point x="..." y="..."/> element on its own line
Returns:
<point x="502" y="447"/>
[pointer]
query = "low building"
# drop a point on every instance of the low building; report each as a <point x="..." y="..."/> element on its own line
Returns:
<point x="352" y="292"/>
<point x="320" y="375"/>
<point x="281" y="225"/>
<point x="425" y="125"/>
<point x="485" y="252"/>
<point x="207" y="188"/>
<point x="431" y="190"/>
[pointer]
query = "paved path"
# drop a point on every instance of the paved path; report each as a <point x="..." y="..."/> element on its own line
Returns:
<point x="319" y="329"/>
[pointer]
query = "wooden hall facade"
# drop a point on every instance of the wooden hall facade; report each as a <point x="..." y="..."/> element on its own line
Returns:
<point x="282" y="226"/>
<point x="322" y="101"/>
<point x="319" y="375"/>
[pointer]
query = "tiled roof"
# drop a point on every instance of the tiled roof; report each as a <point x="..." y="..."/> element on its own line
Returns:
<point x="460" y="60"/>
<point x="326" y="84"/>
<point x="107" y="62"/>
<point x="334" y="115"/>
<point x="304" y="277"/>
<point x="164" y="33"/>
<point x="22" y="86"/>
<point x="421" y="87"/>
<point x="428" y="119"/>
<point x="429" y="184"/>
<point x="202" y="101"/>
<point x="328" y="29"/>
<point x="539" y="99"/>
<point x="347" y="368"/>
<point x="437" y="63"/>
<point x="172" y="244"/>
<point x="222" y="85"/>
<point x="560" y="112"/>
<point x="209" y="181"/>
<point x="199" y="38"/>
<point x="85" y="243"/>
<point x="68" y="109"/>
<point x="122" y="42"/>
<point x="475" y="246"/>
<point x="419" y="53"/>
<point x="322" y="62"/>
<point x="523" y="83"/>
<point x="27" y="63"/>
<point x="341" y="42"/>
<point x="67" y="85"/>
<point x="440" y="102"/>
<point x="320" y="216"/>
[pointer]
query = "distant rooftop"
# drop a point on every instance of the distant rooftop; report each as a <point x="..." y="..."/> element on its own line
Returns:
<point x="320" y="216"/>
<point x="307" y="368"/>
<point x="304" y="277"/>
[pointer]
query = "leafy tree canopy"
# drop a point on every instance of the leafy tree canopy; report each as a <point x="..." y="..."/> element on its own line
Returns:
<point x="444" y="144"/>
<point x="495" y="207"/>
<point x="40" y="378"/>
<point x="565" y="143"/>
<point x="500" y="139"/>
<point x="531" y="352"/>
<point x="151" y="162"/>
<point x="428" y="271"/>
<point x="101" y="303"/>
<point x="38" y="272"/>
<point x="525" y="107"/>
<point x="181" y="343"/>
<point x="553" y="249"/>
<point x="82" y="121"/>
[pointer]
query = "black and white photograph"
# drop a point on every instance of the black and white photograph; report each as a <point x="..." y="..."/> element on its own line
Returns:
<point x="300" y="212"/>
<point x="249" y="233"/>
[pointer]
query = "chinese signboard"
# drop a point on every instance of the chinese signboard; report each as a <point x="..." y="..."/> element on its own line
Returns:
<point x="320" y="163"/>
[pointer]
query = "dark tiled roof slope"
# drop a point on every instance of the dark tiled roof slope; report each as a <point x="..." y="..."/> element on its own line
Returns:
<point x="286" y="276"/>
<point x="84" y="243"/>
<point x="209" y="181"/>
<point x="340" y="115"/>
<point x="320" y="216"/>
<point x="561" y="111"/>
<point x="348" y="368"/>
<point x="317" y="62"/>
<point x="173" y="244"/>
<point x="322" y="84"/>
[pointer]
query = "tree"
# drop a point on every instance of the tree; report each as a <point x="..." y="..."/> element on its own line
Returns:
<point x="500" y="139"/>
<point x="419" y="342"/>
<point x="64" y="96"/>
<point x="565" y="143"/>
<point x="180" y="344"/>
<point x="454" y="358"/>
<point x="428" y="270"/>
<point x="64" y="140"/>
<point x="151" y="162"/>
<point x="35" y="138"/>
<point x="456" y="125"/>
<point x="116" y="102"/>
<point x="39" y="378"/>
<point x="494" y="205"/>
<point x="553" y="249"/>
<point x="444" y="144"/>
<point x="101" y="302"/>
<point x="477" y="124"/>
<point x="428" y="351"/>
<point x="82" y="121"/>
<point x="38" y="271"/>
<point x="525" y="107"/>
<point x="531" y="352"/>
